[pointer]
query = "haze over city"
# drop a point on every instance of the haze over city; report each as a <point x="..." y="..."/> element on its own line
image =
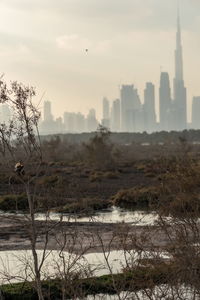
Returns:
<point x="99" y="149"/>
<point x="129" y="42"/>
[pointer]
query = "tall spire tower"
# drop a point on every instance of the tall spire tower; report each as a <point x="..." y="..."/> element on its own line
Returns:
<point x="180" y="97"/>
<point x="178" y="52"/>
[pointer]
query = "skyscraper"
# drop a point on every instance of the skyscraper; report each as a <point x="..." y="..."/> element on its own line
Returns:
<point x="106" y="109"/>
<point x="115" y="116"/>
<point x="130" y="105"/>
<point x="47" y="111"/>
<point x="80" y="122"/>
<point x="58" y="125"/>
<point x="165" y="101"/>
<point x="106" y="113"/>
<point x="149" y="108"/>
<point x="196" y="113"/>
<point x="180" y="93"/>
<point x="48" y="125"/>
<point x="92" y="122"/>
<point x="69" y="122"/>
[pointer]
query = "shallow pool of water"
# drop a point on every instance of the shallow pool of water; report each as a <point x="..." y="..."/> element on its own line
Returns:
<point x="114" y="215"/>
<point x="18" y="265"/>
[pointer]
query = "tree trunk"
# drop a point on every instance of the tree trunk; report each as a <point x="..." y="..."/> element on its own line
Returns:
<point x="33" y="245"/>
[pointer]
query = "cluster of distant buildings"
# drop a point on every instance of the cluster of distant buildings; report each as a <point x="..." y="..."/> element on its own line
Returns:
<point x="70" y="123"/>
<point x="128" y="113"/>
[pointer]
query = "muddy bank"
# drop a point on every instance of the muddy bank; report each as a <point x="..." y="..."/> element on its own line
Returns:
<point x="80" y="237"/>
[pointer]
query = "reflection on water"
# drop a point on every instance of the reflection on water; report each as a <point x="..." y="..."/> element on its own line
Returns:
<point x="114" y="215"/>
<point x="18" y="265"/>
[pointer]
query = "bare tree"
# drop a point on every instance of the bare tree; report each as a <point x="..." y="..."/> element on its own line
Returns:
<point x="20" y="140"/>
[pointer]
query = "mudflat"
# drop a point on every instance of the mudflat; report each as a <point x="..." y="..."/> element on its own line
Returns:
<point x="15" y="234"/>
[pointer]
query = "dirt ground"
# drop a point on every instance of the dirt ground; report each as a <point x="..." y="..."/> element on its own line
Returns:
<point x="79" y="237"/>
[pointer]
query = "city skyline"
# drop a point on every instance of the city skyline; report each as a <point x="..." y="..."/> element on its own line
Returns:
<point x="175" y="102"/>
<point x="130" y="114"/>
<point x="128" y="42"/>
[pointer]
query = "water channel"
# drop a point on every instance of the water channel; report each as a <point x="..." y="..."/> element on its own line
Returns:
<point x="113" y="215"/>
<point x="16" y="266"/>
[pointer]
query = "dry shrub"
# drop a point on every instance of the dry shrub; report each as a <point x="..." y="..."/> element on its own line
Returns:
<point x="137" y="197"/>
<point x="100" y="152"/>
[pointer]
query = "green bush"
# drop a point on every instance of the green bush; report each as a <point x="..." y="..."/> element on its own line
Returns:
<point x="13" y="202"/>
<point x="19" y="291"/>
<point x="132" y="280"/>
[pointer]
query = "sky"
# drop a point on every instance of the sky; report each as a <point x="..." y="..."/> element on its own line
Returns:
<point x="43" y="42"/>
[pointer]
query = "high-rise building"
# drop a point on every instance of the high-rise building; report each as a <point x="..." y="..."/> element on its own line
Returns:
<point x="69" y="122"/>
<point x="127" y="114"/>
<point x="59" y="125"/>
<point x="180" y="93"/>
<point x="196" y="113"/>
<point x="106" y="113"/>
<point x="106" y="109"/>
<point x="165" y="101"/>
<point x="115" y="116"/>
<point x="149" y="108"/>
<point x="92" y="122"/>
<point x="47" y="111"/>
<point x="80" y="125"/>
<point x="130" y="105"/>
<point x="48" y="126"/>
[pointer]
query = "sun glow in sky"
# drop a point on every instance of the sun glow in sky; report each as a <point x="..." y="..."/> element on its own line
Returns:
<point x="43" y="44"/>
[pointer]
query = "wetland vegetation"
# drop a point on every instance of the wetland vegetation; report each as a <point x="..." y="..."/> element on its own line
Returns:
<point x="69" y="175"/>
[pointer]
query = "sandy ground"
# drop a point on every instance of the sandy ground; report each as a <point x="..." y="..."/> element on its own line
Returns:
<point x="87" y="237"/>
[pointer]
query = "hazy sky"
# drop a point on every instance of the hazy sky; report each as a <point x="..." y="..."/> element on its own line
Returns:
<point x="43" y="44"/>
